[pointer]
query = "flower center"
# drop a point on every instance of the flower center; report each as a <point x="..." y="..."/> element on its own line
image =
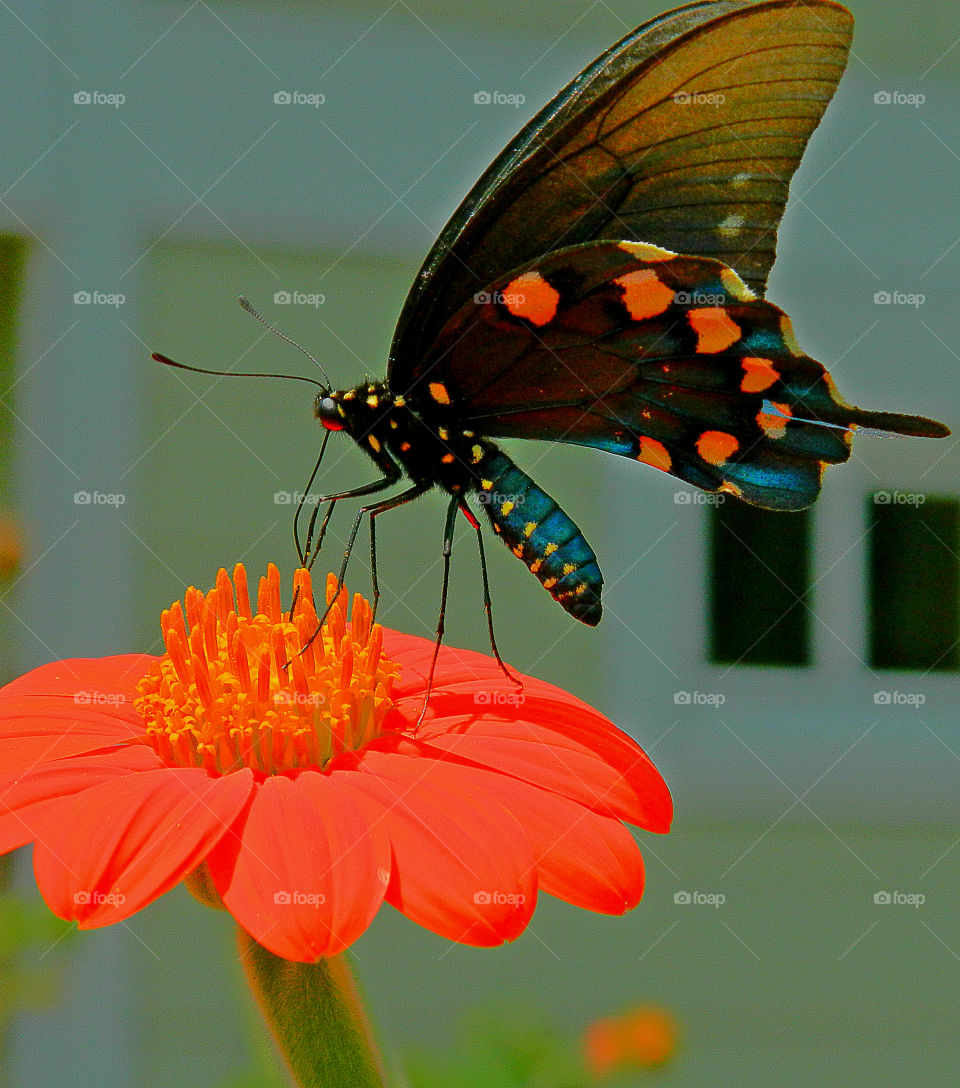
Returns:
<point x="241" y="690"/>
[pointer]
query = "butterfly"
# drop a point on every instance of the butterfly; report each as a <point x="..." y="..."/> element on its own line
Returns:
<point x="603" y="284"/>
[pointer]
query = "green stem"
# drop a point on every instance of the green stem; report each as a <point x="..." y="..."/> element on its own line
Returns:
<point x="316" y="1016"/>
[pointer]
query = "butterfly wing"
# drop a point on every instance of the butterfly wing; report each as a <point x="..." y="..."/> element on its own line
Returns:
<point x="665" y="358"/>
<point x="686" y="133"/>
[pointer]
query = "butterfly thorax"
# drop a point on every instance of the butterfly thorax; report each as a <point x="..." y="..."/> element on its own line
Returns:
<point x="424" y="439"/>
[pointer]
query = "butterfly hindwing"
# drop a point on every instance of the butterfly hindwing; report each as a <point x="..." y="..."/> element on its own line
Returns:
<point x="665" y="358"/>
<point x="687" y="132"/>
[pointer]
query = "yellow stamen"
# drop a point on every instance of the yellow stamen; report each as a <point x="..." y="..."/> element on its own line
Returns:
<point x="238" y="690"/>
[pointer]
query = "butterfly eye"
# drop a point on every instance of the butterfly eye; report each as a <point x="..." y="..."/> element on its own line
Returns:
<point x="328" y="413"/>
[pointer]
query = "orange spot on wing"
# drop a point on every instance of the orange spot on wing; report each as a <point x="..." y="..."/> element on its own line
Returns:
<point x="531" y="297"/>
<point x="654" y="453"/>
<point x="758" y="374"/>
<point x="644" y="295"/>
<point x="715" y="328"/>
<point x="772" y="423"/>
<point x="716" y="446"/>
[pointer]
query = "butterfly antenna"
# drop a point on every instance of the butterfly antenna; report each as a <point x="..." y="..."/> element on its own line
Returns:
<point x="245" y="303"/>
<point x="167" y="361"/>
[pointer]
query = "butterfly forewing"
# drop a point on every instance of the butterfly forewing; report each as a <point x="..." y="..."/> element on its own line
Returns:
<point x="686" y="133"/>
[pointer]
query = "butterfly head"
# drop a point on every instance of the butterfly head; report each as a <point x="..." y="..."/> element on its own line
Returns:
<point x="329" y="411"/>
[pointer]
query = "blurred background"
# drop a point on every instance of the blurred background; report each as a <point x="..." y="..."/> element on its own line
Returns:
<point x="794" y="677"/>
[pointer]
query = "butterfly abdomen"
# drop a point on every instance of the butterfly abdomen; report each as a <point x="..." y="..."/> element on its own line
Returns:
<point x="537" y="531"/>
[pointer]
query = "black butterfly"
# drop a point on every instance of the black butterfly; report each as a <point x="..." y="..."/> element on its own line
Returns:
<point x="602" y="284"/>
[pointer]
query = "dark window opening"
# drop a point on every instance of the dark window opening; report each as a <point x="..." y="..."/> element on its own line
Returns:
<point x="914" y="581"/>
<point x="759" y="582"/>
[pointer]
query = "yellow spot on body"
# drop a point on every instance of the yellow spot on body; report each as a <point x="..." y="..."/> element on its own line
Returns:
<point x="476" y="453"/>
<point x="716" y="446"/>
<point x="444" y="433"/>
<point x="506" y="508"/>
<point x="735" y="286"/>
<point x="350" y="394"/>
<point x="439" y="392"/>
<point x="374" y="442"/>
<point x="715" y="328"/>
<point x="758" y="374"/>
<point x="789" y="336"/>
<point x="644" y="294"/>
<point x="468" y="434"/>
<point x="569" y="568"/>
<point x="536" y="565"/>
<point x="529" y="529"/>
<point x="646" y="252"/>
<point x="393" y="424"/>
<point x="404" y="446"/>
<point x="774" y="424"/>
<point x="530" y="296"/>
<point x="447" y="458"/>
<point x="373" y="400"/>
<point x="487" y="485"/>
<point x="399" y="402"/>
<point x="549" y="583"/>
<point x="654" y="453"/>
<point x="550" y="549"/>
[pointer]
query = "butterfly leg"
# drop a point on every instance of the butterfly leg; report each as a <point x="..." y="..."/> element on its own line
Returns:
<point x="452" y="509"/>
<point x="381" y="508"/>
<point x="304" y="552"/>
<point x="487" y="603"/>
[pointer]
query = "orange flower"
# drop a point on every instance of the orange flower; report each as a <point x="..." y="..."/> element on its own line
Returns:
<point x="637" y="1039"/>
<point x="294" y="789"/>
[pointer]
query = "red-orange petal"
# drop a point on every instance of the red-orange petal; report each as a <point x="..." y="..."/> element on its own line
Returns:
<point x="67" y="708"/>
<point x="118" y="846"/>
<point x="56" y="783"/>
<point x="306" y="873"/>
<point x="463" y="866"/>
<point x="588" y="860"/>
